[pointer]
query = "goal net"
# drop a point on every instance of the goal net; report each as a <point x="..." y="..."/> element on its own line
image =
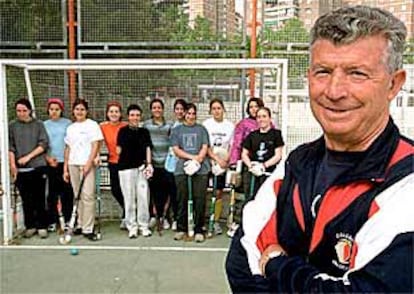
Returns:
<point x="133" y="81"/>
<point x="141" y="80"/>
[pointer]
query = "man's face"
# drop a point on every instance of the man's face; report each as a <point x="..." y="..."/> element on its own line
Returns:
<point x="350" y="90"/>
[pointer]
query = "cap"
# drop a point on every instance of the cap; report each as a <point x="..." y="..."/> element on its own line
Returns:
<point x="57" y="101"/>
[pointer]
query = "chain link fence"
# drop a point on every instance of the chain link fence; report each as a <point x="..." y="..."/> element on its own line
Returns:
<point x="170" y="29"/>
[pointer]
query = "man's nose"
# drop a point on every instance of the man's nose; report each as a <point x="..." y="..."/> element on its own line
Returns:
<point x="337" y="86"/>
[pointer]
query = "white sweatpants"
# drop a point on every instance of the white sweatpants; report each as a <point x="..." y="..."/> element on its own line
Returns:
<point x="134" y="187"/>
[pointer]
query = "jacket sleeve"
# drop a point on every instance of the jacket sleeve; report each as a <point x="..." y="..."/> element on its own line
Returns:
<point x="236" y="147"/>
<point x="256" y="232"/>
<point x="383" y="259"/>
<point x="391" y="271"/>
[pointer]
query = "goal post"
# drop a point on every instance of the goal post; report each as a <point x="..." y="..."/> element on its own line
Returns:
<point x="276" y="68"/>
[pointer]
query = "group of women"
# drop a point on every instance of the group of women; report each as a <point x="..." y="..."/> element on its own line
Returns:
<point x="150" y="162"/>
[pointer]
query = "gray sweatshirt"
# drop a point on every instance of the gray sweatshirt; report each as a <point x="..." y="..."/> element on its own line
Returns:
<point x="24" y="137"/>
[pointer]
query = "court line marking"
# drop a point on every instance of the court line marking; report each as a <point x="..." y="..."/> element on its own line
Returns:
<point x="103" y="247"/>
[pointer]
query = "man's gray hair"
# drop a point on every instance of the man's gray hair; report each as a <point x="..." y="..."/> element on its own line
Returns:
<point x="346" y="25"/>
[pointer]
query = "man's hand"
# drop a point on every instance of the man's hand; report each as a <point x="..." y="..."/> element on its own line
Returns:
<point x="273" y="249"/>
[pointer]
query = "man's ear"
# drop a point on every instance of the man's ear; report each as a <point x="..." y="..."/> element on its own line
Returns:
<point x="397" y="81"/>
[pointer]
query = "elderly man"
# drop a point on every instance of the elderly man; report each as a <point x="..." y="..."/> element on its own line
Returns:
<point x="341" y="220"/>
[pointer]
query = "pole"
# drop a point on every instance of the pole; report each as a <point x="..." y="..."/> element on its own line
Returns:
<point x="72" y="49"/>
<point x="253" y="44"/>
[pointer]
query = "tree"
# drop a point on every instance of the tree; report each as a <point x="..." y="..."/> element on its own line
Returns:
<point x="292" y="33"/>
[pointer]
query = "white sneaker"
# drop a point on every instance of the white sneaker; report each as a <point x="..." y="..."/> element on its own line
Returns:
<point x="199" y="238"/>
<point x="123" y="225"/>
<point x="145" y="232"/>
<point x="174" y="226"/>
<point x="232" y="230"/>
<point x="217" y="229"/>
<point x="165" y="224"/>
<point x="152" y="222"/>
<point x="43" y="233"/>
<point x="179" y="236"/>
<point x="51" y="228"/>
<point x="132" y="234"/>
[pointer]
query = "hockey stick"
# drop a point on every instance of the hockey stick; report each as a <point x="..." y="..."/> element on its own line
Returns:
<point x="190" y="213"/>
<point x="99" y="199"/>
<point x="67" y="237"/>
<point x="230" y="218"/>
<point x="212" y="209"/>
<point x="17" y="216"/>
<point x="61" y="218"/>
<point x="251" y="187"/>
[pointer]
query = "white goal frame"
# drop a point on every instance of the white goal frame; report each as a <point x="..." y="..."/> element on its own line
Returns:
<point x="281" y="65"/>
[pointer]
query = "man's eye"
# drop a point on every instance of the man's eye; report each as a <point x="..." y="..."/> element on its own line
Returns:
<point x="358" y="74"/>
<point x="321" y="72"/>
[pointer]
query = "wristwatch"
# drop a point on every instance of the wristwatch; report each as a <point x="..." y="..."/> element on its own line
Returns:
<point x="275" y="254"/>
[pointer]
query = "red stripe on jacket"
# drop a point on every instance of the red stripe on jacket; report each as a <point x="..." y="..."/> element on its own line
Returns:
<point x="403" y="150"/>
<point x="336" y="200"/>
<point x="297" y="205"/>
<point x="268" y="235"/>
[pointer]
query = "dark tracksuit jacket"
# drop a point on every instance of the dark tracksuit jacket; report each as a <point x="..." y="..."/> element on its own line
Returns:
<point x="360" y="240"/>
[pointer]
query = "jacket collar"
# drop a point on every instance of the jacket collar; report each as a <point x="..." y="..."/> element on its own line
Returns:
<point x="306" y="158"/>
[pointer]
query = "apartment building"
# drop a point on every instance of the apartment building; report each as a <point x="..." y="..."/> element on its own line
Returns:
<point x="403" y="9"/>
<point x="220" y="13"/>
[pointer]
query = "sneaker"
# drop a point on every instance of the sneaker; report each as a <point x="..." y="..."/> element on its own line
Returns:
<point x="51" y="228"/>
<point x="174" y="226"/>
<point x="179" y="236"/>
<point x="165" y="224"/>
<point x="152" y="222"/>
<point x="145" y="232"/>
<point x="77" y="231"/>
<point x="91" y="236"/>
<point x="217" y="229"/>
<point x="232" y="230"/>
<point x="132" y="235"/>
<point x="123" y="225"/>
<point x="199" y="238"/>
<point x="30" y="233"/>
<point x="43" y="233"/>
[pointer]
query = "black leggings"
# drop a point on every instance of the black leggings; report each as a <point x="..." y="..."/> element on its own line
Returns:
<point x="199" y="185"/>
<point x="162" y="186"/>
<point x="115" y="186"/>
<point x="32" y="186"/>
<point x="58" y="187"/>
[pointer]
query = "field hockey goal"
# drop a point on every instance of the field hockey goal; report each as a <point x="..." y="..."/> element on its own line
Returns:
<point x="134" y="81"/>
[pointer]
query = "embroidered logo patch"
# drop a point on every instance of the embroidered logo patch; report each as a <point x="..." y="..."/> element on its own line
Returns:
<point x="343" y="249"/>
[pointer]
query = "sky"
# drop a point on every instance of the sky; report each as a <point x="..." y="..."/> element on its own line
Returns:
<point x="239" y="6"/>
